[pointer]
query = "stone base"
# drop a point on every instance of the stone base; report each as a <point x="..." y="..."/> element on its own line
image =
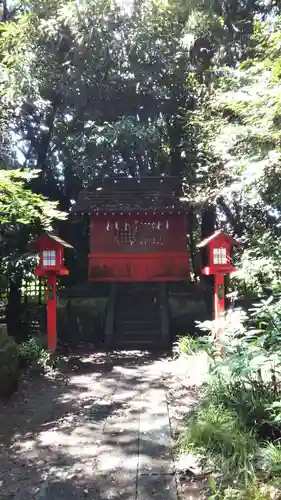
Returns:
<point x="9" y="364"/>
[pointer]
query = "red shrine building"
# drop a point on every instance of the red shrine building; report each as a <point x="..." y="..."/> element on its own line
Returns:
<point x="138" y="278"/>
<point x="137" y="251"/>
<point x="138" y="230"/>
<point x="138" y="290"/>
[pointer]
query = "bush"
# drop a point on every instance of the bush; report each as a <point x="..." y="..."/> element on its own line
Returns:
<point x="218" y="436"/>
<point x="254" y="491"/>
<point x="187" y="345"/>
<point x="237" y="425"/>
<point x="246" y="378"/>
<point x="33" y="353"/>
<point x="269" y="458"/>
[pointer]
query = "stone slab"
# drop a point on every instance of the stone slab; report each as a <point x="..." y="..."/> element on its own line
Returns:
<point x="156" y="487"/>
<point x="155" y="455"/>
<point x="113" y="487"/>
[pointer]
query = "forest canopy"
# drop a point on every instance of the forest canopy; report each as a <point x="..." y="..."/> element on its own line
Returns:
<point x="188" y="88"/>
<point x="98" y="88"/>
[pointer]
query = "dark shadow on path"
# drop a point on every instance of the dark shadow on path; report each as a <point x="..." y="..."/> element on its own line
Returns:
<point x="50" y="430"/>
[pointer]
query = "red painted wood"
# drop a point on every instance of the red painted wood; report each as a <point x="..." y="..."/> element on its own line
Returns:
<point x="218" y="240"/>
<point x="219" y="307"/>
<point x="46" y="243"/>
<point x="165" y="260"/>
<point x="227" y="269"/>
<point x="219" y="302"/>
<point x="51" y="243"/>
<point x="52" y="314"/>
<point x="139" y="267"/>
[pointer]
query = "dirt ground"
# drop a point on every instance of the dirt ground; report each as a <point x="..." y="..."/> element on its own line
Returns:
<point x="104" y="430"/>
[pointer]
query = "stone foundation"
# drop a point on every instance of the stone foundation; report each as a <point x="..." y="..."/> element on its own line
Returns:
<point x="189" y="303"/>
<point x="9" y="365"/>
<point x="81" y="314"/>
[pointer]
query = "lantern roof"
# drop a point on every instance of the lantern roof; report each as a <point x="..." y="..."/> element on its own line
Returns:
<point x="51" y="236"/>
<point x="131" y="194"/>
<point x="217" y="235"/>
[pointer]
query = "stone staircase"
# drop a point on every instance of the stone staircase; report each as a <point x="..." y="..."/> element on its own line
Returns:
<point x="138" y="317"/>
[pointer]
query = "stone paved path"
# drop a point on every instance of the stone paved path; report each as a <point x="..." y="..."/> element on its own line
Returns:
<point x="106" y="434"/>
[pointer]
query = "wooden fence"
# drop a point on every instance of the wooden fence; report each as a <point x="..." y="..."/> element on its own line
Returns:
<point x="33" y="310"/>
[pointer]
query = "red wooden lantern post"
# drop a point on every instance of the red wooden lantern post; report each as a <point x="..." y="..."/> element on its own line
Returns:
<point x="51" y="265"/>
<point x="219" y="247"/>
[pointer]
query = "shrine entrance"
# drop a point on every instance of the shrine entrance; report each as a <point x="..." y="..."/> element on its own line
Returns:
<point x="138" y="317"/>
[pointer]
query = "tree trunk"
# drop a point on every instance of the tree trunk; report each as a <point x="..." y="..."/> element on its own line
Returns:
<point x="236" y="223"/>
<point x="14" y="309"/>
<point x="192" y="242"/>
<point x="208" y="225"/>
<point x="4" y="11"/>
<point x="208" y="221"/>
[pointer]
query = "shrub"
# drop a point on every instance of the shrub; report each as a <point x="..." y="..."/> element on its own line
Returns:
<point x="269" y="457"/>
<point x="188" y="345"/>
<point x="252" y="492"/>
<point x="245" y="379"/>
<point x="33" y="353"/>
<point x="216" y="434"/>
<point x="241" y="408"/>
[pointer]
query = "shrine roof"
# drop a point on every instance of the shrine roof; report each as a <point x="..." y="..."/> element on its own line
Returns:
<point x="214" y="236"/>
<point x="131" y="194"/>
<point x="46" y="236"/>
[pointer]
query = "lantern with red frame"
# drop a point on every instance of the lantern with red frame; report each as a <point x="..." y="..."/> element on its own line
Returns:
<point x="51" y="265"/>
<point x="51" y="249"/>
<point x="218" y="247"/>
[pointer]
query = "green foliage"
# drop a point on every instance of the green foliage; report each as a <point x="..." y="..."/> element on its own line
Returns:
<point x="21" y="205"/>
<point x="23" y="215"/>
<point x="246" y="378"/>
<point x="216" y="433"/>
<point x="125" y="65"/>
<point x="32" y="351"/>
<point x="187" y="88"/>
<point x="246" y="107"/>
<point x="252" y="492"/>
<point x="33" y="354"/>
<point x="186" y="345"/>
<point x="96" y="88"/>
<point x="237" y="424"/>
<point x="259" y="268"/>
<point x="269" y="457"/>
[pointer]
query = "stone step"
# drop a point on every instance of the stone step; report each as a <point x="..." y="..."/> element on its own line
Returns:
<point x="137" y="300"/>
<point x="144" y="295"/>
<point x="133" y="322"/>
<point x="138" y="289"/>
<point x="136" y="345"/>
<point x="138" y="334"/>
<point x="137" y="304"/>
<point x="137" y="315"/>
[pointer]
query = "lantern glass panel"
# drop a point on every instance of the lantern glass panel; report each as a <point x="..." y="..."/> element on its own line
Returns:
<point x="49" y="258"/>
<point x="219" y="256"/>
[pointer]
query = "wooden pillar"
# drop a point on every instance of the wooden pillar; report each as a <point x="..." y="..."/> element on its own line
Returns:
<point x="219" y="306"/>
<point x="52" y="313"/>
<point x="164" y="315"/>
<point x="110" y="313"/>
